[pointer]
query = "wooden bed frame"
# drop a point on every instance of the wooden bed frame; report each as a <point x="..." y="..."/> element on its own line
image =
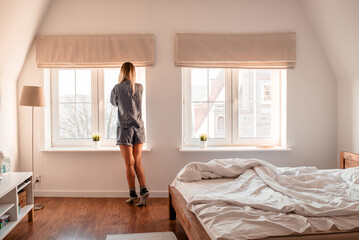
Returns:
<point x="348" y="160"/>
<point x="189" y="221"/>
<point x="195" y="230"/>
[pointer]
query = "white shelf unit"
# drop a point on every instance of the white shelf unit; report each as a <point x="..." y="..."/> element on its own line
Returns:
<point x="10" y="185"/>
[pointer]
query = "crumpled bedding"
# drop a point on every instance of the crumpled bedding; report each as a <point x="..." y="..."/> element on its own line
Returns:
<point x="264" y="200"/>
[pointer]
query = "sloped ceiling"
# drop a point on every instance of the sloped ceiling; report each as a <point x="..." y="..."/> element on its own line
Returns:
<point x="334" y="21"/>
<point x="19" y="22"/>
<point x="336" y="25"/>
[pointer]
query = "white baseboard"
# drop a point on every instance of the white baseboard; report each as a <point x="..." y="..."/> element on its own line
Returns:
<point x="92" y="194"/>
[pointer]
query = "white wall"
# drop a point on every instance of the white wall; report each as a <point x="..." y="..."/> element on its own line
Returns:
<point x="18" y="26"/>
<point x="336" y="24"/>
<point x="311" y="89"/>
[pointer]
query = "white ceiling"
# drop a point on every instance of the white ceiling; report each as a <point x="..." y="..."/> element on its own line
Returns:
<point x="19" y="22"/>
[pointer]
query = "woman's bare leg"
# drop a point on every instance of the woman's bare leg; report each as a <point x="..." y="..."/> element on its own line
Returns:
<point x="137" y="153"/>
<point x="127" y="154"/>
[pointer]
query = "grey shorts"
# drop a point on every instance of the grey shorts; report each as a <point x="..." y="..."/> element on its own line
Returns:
<point x="130" y="136"/>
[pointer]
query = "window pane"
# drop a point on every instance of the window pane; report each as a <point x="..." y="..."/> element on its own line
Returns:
<point x="111" y="120"/>
<point x="199" y="119"/>
<point x="83" y="120"/>
<point x="75" y="120"/>
<point x="67" y="120"/>
<point x="83" y="85"/>
<point x="220" y="125"/>
<point x="66" y="79"/>
<point x="199" y="83"/>
<point x="75" y="104"/>
<point x="264" y="120"/>
<point x="217" y="110"/>
<point x="246" y="122"/>
<point x="255" y="103"/>
<point x="216" y="85"/>
<point x="266" y="93"/>
<point x="207" y="102"/>
<point x="111" y="79"/>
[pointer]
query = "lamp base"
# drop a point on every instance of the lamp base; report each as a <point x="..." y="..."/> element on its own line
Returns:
<point x="38" y="207"/>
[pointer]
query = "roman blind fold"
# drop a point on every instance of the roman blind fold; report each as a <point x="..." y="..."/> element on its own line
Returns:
<point x="94" y="51"/>
<point x="274" y="50"/>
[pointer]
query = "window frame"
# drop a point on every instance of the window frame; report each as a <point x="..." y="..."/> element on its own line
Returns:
<point x="231" y="112"/>
<point x="276" y="127"/>
<point x="98" y="104"/>
<point x="189" y="141"/>
<point x="55" y="140"/>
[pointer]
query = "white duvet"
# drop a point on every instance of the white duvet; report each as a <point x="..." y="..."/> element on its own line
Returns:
<point x="263" y="200"/>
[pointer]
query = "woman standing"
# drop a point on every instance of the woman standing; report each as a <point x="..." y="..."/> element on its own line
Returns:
<point x="127" y="97"/>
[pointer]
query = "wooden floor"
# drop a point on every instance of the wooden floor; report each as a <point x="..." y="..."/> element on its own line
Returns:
<point x="94" y="218"/>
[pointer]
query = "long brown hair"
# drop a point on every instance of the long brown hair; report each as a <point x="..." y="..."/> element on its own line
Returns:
<point x="128" y="73"/>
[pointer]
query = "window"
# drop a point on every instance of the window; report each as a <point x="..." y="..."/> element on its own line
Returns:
<point x="266" y="93"/>
<point x="81" y="105"/>
<point x="220" y="125"/>
<point x="234" y="107"/>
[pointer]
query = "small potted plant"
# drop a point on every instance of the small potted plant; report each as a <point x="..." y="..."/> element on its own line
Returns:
<point x="96" y="140"/>
<point x="203" y="138"/>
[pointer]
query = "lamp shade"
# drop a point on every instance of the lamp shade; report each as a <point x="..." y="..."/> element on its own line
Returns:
<point x="32" y="96"/>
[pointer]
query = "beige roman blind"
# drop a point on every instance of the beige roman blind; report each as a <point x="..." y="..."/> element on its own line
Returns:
<point x="274" y="50"/>
<point x="94" y="51"/>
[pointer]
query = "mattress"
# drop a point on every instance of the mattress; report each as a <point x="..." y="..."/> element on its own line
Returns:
<point x="190" y="189"/>
<point x="225" y="221"/>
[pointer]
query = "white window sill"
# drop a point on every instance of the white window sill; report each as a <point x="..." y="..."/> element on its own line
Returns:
<point x="233" y="149"/>
<point x="86" y="149"/>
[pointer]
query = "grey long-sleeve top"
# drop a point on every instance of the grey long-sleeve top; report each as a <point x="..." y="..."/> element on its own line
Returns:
<point x="129" y="105"/>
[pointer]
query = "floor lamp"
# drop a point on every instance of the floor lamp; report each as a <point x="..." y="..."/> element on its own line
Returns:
<point x="33" y="96"/>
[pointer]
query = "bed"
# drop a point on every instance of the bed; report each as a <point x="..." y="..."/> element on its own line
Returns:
<point x="196" y="230"/>
<point x="348" y="160"/>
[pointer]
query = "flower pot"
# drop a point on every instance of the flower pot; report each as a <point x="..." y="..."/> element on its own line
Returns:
<point x="96" y="144"/>
<point x="203" y="144"/>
